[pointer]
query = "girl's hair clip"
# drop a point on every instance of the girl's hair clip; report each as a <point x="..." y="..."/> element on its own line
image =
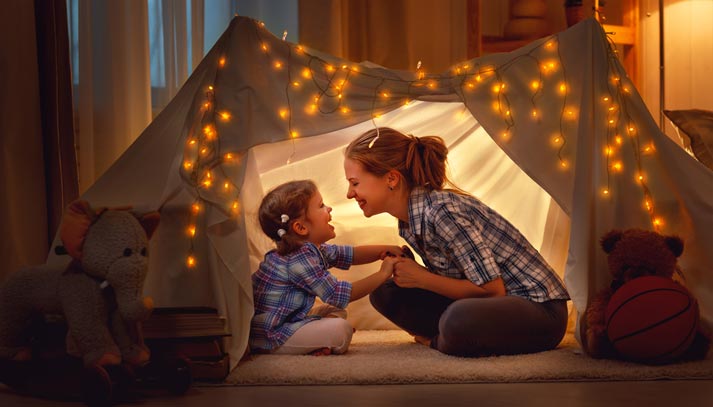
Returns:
<point x="284" y="218"/>
<point x="281" y="232"/>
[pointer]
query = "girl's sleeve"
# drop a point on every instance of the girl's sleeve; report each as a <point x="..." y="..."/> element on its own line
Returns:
<point x="311" y="276"/>
<point x="461" y="238"/>
<point x="340" y="257"/>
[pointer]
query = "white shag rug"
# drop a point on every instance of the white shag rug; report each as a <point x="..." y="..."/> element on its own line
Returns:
<point x="392" y="357"/>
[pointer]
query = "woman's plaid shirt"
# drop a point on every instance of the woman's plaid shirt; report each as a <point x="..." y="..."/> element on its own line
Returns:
<point x="458" y="236"/>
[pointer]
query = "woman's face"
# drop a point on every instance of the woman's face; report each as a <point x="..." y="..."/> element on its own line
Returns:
<point x="370" y="191"/>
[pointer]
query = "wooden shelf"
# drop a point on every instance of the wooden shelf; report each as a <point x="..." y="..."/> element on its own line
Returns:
<point x="491" y="44"/>
<point x="620" y="34"/>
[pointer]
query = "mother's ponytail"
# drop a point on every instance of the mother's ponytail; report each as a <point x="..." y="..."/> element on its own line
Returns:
<point x="426" y="162"/>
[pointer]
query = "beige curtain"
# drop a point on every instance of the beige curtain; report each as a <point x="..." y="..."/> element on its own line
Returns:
<point x="114" y="82"/>
<point x="38" y="174"/>
<point x="395" y="33"/>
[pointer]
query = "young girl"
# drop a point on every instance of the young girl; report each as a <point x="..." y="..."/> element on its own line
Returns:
<point x="484" y="288"/>
<point x="290" y="277"/>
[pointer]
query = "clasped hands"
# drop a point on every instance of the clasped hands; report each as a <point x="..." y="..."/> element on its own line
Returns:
<point x="406" y="272"/>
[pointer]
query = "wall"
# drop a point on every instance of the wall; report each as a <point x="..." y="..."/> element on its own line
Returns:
<point x="688" y="51"/>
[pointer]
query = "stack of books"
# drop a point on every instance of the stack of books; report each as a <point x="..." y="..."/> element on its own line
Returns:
<point x="194" y="333"/>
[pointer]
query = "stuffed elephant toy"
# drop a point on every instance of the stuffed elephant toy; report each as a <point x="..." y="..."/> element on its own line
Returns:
<point x="99" y="294"/>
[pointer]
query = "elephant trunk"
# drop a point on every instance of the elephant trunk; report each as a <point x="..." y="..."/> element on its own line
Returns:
<point x="133" y="307"/>
<point x="126" y="277"/>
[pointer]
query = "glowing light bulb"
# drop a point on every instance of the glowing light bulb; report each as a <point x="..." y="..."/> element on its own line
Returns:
<point x="306" y="73"/>
<point x="187" y="165"/>
<point x="191" y="261"/>
<point x="283" y="113"/>
<point x="225" y="115"/>
<point x="221" y="62"/>
<point x="192" y="230"/>
<point x="535" y="85"/>
<point x="195" y="208"/>
<point x="278" y="64"/>
<point x="294" y="134"/>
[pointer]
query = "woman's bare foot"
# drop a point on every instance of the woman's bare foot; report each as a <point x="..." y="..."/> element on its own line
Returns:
<point x="422" y="340"/>
<point x="321" y="352"/>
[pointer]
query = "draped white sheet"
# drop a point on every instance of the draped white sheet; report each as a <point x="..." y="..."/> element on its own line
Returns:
<point x="253" y="89"/>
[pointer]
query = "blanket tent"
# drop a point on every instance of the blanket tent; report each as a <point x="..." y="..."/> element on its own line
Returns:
<point x="553" y="135"/>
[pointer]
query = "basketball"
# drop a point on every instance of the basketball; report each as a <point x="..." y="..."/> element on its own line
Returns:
<point x="652" y="320"/>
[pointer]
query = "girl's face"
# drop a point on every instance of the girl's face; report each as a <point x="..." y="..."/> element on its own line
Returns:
<point x="370" y="191"/>
<point x="317" y="220"/>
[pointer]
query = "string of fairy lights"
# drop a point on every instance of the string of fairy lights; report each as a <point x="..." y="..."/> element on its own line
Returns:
<point x="205" y="162"/>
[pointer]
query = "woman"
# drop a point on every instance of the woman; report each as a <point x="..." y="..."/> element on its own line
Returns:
<point x="484" y="289"/>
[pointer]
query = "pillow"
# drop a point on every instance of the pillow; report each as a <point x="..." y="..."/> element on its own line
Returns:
<point x="697" y="124"/>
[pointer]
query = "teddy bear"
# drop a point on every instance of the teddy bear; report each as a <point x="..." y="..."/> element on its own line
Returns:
<point x="99" y="294"/>
<point x="634" y="253"/>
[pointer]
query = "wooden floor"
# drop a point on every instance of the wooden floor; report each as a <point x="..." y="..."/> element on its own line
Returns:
<point x="663" y="393"/>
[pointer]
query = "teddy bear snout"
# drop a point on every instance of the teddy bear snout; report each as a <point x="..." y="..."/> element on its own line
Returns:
<point x="631" y="272"/>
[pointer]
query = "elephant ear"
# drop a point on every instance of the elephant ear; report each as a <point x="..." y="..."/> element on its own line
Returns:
<point x="149" y="221"/>
<point x="75" y="225"/>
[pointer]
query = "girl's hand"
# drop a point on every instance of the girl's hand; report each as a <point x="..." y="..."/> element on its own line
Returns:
<point x="409" y="274"/>
<point x="387" y="266"/>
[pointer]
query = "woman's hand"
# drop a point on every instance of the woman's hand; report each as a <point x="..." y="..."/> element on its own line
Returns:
<point x="396" y="251"/>
<point x="409" y="274"/>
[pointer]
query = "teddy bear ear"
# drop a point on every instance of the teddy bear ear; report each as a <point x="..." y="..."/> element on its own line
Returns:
<point x="149" y="222"/>
<point x="610" y="239"/>
<point x="675" y="243"/>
